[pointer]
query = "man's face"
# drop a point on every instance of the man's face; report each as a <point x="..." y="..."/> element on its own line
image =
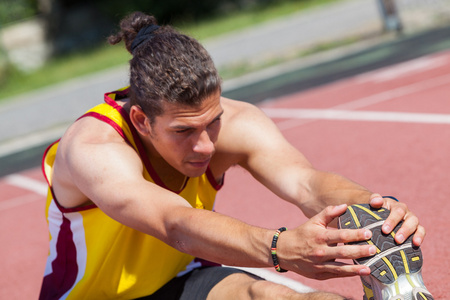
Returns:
<point x="185" y="136"/>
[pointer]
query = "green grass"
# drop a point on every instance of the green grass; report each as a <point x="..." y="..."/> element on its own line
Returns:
<point x="64" y="68"/>
<point x="100" y="58"/>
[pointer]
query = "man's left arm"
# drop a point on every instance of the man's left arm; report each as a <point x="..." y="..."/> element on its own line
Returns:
<point x="273" y="161"/>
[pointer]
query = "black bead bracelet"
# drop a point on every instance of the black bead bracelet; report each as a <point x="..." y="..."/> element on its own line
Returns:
<point x="273" y="250"/>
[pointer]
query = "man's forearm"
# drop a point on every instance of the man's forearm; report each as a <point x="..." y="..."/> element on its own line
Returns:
<point x="332" y="189"/>
<point x="219" y="238"/>
<point x="303" y="249"/>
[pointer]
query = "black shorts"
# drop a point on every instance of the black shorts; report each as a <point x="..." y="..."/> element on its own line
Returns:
<point x="194" y="285"/>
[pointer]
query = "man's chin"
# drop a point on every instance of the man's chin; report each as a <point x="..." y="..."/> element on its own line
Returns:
<point x="195" y="171"/>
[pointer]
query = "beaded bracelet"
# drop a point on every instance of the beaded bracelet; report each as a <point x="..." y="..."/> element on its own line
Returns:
<point x="273" y="250"/>
<point x="391" y="197"/>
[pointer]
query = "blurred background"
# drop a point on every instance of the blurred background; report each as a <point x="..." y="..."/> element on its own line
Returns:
<point x="43" y="42"/>
<point x="54" y="58"/>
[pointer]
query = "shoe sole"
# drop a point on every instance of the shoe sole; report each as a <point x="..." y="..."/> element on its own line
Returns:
<point x="396" y="270"/>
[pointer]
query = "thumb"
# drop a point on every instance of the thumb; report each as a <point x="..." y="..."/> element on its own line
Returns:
<point x="329" y="214"/>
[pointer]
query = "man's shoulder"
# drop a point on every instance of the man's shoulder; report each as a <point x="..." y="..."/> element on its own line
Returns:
<point x="244" y="126"/>
<point x="236" y="104"/>
<point x="239" y="111"/>
<point x="88" y="134"/>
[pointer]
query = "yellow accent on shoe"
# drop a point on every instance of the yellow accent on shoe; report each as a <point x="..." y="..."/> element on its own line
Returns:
<point x="371" y="243"/>
<point x="369" y="212"/>
<point x="355" y="218"/>
<point x="368" y="292"/>
<point x="405" y="261"/>
<point x="394" y="273"/>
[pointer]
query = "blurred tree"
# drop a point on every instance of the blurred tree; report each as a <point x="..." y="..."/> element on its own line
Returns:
<point x="74" y="24"/>
<point x="14" y="10"/>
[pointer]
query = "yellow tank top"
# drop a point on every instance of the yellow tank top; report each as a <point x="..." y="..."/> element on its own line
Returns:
<point x="92" y="256"/>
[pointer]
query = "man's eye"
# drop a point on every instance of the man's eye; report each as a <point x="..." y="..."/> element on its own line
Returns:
<point x="183" y="130"/>
<point x="215" y="122"/>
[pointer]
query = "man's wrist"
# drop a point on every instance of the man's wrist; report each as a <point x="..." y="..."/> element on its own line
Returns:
<point x="391" y="197"/>
<point x="273" y="250"/>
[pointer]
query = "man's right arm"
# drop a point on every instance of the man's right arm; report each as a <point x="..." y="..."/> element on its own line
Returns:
<point x="109" y="173"/>
<point x="99" y="166"/>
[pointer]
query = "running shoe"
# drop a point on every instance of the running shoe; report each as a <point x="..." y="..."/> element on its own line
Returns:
<point x="396" y="270"/>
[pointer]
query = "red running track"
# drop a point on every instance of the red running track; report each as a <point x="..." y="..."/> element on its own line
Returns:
<point x="388" y="130"/>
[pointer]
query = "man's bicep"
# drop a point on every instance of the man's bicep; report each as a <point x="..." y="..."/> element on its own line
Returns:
<point x="281" y="168"/>
<point x="98" y="169"/>
<point x="112" y="178"/>
<point x="270" y="158"/>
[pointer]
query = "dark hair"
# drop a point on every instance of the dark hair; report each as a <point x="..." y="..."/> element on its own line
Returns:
<point x="169" y="66"/>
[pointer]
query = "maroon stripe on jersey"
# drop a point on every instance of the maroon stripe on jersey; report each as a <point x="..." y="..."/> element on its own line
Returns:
<point x="106" y="120"/>
<point x="212" y="180"/>
<point x="137" y="140"/>
<point x="71" y="209"/>
<point x="64" y="267"/>
<point x="206" y="263"/>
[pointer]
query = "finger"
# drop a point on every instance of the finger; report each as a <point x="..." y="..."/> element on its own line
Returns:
<point x="350" y="252"/>
<point x="419" y="236"/>
<point x="339" y="269"/>
<point x="408" y="227"/>
<point x="347" y="235"/>
<point x="326" y="254"/>
<point x="397" y="214"/>
<point x="376" y="201"/>
<point x="329" y="214"/>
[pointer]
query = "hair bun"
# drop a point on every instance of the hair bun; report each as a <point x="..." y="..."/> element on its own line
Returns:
<point x="145" y="34"/>
<point x="130" y="27"/>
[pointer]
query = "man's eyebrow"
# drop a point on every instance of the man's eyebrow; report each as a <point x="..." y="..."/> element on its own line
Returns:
<point x="181" y="127"/>
<point x="217" y="117"/>
<point x="184" y="127"/>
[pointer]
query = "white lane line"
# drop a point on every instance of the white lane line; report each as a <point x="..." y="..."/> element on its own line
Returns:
<point x="350" y="115"/>
<point x="396" y="93"/>
<point x="27" y="183"/>
<point x="18" y="201"/>
<point x="298" y="117"/>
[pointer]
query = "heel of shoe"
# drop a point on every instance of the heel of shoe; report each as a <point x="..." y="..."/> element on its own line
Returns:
<point x="406" y="287"/>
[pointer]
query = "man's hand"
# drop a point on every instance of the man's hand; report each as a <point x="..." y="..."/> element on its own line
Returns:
<point x="399" y="212"/>
<point x="311" y="249"/>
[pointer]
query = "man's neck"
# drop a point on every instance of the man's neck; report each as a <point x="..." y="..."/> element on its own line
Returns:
<point x="170" y="176"/>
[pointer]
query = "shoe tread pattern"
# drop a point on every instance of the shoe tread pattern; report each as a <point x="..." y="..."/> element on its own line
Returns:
<point x="386" y="269"/>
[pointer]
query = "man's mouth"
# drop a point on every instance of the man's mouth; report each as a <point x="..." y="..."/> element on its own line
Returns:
<point x="200" y="163"/>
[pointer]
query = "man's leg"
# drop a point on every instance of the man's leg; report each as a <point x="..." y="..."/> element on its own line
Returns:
<point x="217" y="283"/>
<point x="244" y="286"/>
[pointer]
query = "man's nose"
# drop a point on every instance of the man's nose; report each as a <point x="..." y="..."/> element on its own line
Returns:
<point x="204" y="145"/>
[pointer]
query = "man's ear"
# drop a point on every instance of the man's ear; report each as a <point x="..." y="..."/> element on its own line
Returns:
<point x="140" y="120"/>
